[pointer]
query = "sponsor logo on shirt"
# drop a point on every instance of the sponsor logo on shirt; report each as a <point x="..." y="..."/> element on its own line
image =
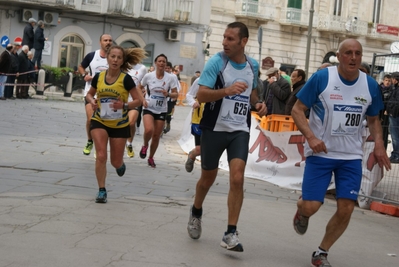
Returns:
<point x="336" y="97"/>
<point x="348" y="108"/>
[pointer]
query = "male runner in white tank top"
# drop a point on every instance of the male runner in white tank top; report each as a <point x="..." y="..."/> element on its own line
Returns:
<point x="95" y="62"/>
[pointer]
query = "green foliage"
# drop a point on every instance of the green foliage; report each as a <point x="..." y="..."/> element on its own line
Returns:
<point x="57" y="71"/>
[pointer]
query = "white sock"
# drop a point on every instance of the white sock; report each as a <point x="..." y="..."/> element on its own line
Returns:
<point x="128" y="143"/>
<point x="320" y="251"/>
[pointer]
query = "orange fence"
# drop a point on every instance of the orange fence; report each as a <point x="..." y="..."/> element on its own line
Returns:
<point x="182" y="93"/>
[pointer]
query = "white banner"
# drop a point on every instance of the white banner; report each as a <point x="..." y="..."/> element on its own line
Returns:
<point x="277" y="157"/>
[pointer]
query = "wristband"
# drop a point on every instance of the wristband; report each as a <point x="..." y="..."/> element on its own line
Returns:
<point x="168" y="94"/>
<point x="259" y="101"/>
<point x="125" y="106"/>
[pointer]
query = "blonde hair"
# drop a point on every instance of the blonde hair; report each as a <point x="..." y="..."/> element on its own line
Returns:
<point x="131" y="56"/>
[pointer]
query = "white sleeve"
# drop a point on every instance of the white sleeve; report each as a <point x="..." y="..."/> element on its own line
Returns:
<point x="192" y="93"/>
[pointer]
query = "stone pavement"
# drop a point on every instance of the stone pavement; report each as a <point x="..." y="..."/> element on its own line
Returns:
<point x="48" y="216"/>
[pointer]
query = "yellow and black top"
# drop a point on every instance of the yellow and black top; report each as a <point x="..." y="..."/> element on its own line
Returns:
<point x="107" y="94"/>
<point x="197" y="114"/>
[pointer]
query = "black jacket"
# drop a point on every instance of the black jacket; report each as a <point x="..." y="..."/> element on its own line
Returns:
<point x="39" y="39"/>
<point x="23" y="64"/>
<point x="281" y="90"/>
<point x="393" y="102"/>
<point x="5" y="62"/>
<point x="292" y="98"/>
<point x="28" y="37"/>
<point x="14" y="63"/>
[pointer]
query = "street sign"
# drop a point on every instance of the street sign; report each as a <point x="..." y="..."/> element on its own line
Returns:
<point x="260" y="35"/>
<point x="18" y="40"/>
<point x="5" y="41"/>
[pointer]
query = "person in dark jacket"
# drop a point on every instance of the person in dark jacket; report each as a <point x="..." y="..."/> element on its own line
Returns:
<point x="277" y="91"/>
<point x="298" y="77"/>
<point x="28" y="37"/>
<point x="38" y="44"/>
<point x="9" y="89"/>
<point x="5" y="65"/>
<point x="386" y="88"/>
<point x="393" y="112"/>
<point x="22" y="88"/>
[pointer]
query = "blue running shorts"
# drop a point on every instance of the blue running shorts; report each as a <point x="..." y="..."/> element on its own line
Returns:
<point x="318" y="173"/>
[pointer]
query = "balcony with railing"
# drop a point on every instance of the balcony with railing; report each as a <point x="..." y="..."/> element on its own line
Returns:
<point x="255" y="10"/>
<point x="338" y="24"/>
<point x="172" y="11"/>
<point x="295" y="17"/>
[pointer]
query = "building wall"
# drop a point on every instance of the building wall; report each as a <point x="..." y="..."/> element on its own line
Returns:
<point x="187" y="52"/>
<point x="287" y="44"/>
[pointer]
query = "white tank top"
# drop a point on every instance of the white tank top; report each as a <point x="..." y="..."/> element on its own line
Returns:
<point x="97" y="65"/>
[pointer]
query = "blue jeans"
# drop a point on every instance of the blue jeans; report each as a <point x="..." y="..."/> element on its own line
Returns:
<point x="37" y="58"/>
<point x="3" y="79"/>
<point x="394" y="130"/>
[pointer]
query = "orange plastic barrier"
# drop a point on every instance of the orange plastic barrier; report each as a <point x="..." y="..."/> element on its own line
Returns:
<point x="182" y="93"/>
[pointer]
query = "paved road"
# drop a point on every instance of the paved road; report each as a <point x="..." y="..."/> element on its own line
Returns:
<point x="48" y="216"/>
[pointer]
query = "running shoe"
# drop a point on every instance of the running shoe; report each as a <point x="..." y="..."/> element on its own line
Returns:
<point x="88" y="148"/>
<point x="189" y="163"/>
<point x="230" y="242"/>
<point x="151" y="162"/>
<point x="167" y="128"/>
<point x="194" y="228"/>
<point x="143" y="152"/>
<point x="121" y="170"/>
<point x="101" y="197"/>
<point x="300" y="223"/>
<point x="129" y="150"/>
<point x="320" y="260"/>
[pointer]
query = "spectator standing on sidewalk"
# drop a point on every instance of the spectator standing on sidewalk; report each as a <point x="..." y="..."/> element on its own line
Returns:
<point x="298" y="79"/>
<point x="159" y="85"/>
<point x="24" y="65"/>
<point x="28" y="36"/>
<point x="38" y="44"/>
<point x="9" y="89"/>
<point x="386" y="89"/>
<point x="283" y="73"/>
<point x="393" y="113"/>
<point x="228" y="88"/>
<point x="277" y="90"/>
<point x="5" y="66"/>
<point x="95" y="62"/>
<point x="339" y="99"/>
<point x="110" y="123"/>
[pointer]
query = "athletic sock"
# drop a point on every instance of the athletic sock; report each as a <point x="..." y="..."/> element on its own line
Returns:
<point x="102" y="189"/>
<point x="128" y="143"/>
<point x="231" y="229"/>
<point x="196" y="212"/>
<point x="320" y="251"/>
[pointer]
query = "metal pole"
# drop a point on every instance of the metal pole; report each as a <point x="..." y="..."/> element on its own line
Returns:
<point x="310" y="27"/>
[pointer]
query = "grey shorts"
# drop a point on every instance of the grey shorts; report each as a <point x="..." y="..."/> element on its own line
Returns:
<point x="213" y="145"/>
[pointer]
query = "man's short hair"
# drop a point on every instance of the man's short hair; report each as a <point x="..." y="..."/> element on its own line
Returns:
<point x="32" y="20"/>
<point x="197" y="71"/>
<point x="243" y="29"/>
<point x="40" y="23"/>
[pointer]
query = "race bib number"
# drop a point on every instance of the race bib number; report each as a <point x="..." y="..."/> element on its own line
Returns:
<point x="346" y="120"/>
<point x="157" y="102"/>
<point x="235" y="109"/>
<point x="107" y="110"/>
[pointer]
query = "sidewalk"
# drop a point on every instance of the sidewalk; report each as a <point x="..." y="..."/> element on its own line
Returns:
<point x="48" y="216"/>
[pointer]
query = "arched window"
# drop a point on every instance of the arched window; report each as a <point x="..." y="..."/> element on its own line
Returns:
<point x="71" y="51"/>
<point x="129" y="44"/>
